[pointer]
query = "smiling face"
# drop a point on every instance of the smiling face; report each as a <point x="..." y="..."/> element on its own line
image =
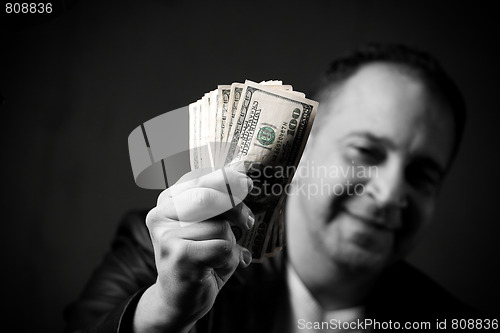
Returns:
<point x="379" y="156"/>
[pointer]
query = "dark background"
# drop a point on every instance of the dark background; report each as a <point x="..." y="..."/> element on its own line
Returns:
<point x="75" y="83"/>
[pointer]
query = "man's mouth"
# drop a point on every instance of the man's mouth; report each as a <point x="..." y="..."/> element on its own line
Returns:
<point x="376" y="222"/>
<point x="373" y="216"/>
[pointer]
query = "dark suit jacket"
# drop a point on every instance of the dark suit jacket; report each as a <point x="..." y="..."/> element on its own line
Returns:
<point x="250" y="300"/>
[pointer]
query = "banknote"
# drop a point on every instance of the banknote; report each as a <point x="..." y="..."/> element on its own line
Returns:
<point x="253" y="127"/>
<point x="223" y="93"/>
<point x="234" y="127"/>
<point x="194" y="136"/>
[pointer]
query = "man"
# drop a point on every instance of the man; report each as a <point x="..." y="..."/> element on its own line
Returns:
<point x="388" y="110"/>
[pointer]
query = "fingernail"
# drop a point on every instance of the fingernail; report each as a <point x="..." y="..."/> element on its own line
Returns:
<point x="247" y="257"/>
<point x="250" y="220"/>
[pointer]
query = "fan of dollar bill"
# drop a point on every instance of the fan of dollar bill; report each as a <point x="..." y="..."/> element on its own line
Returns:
<point x="260" y="129"/>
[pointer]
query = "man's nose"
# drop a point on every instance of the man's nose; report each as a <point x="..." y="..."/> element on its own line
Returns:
<point x="387" y="186"/>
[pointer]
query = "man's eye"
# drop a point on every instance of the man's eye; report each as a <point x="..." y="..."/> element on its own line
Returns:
<point x="423" y="181"/>
<point x="365" y="154"/>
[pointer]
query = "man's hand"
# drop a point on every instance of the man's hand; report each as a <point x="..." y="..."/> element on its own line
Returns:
<point x="194" y="260"/>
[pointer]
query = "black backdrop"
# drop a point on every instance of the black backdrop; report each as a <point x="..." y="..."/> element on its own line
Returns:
<point x="75" y="85"/>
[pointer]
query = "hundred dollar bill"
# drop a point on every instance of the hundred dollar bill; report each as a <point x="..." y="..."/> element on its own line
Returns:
<point x="202" y="139"/>
<point x="272" y="126"/>
<point x="233" y="106"/>
<point x="194" y="136"/>
<point x="212" y="125"/>
<point x="250" y="127"/>
<point x="276" y="240"/>
<point x="234" y="122"/>
<point x="223" y="93"/>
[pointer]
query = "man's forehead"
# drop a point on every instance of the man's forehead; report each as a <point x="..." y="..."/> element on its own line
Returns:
<point x="375" y="82"/>
<point x="372" y="94"/>
<point x="389" y="102"/>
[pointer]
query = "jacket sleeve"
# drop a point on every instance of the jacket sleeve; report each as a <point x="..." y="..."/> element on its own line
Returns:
<point x="109" y="299"/>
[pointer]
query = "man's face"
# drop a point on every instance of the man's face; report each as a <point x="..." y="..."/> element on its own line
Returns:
<point x="373" y="168"/>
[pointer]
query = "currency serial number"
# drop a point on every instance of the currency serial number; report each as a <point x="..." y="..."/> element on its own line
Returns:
<point x="28" y="8"/>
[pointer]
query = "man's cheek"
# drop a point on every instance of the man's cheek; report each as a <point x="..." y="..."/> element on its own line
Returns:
<point x="420" y="213"/>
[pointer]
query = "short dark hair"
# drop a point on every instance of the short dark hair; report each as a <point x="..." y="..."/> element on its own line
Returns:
<point x="420" y="63"/>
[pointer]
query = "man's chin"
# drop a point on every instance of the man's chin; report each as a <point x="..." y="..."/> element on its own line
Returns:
<point x="358" y="258"/>
<point x="362" y="252"/>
